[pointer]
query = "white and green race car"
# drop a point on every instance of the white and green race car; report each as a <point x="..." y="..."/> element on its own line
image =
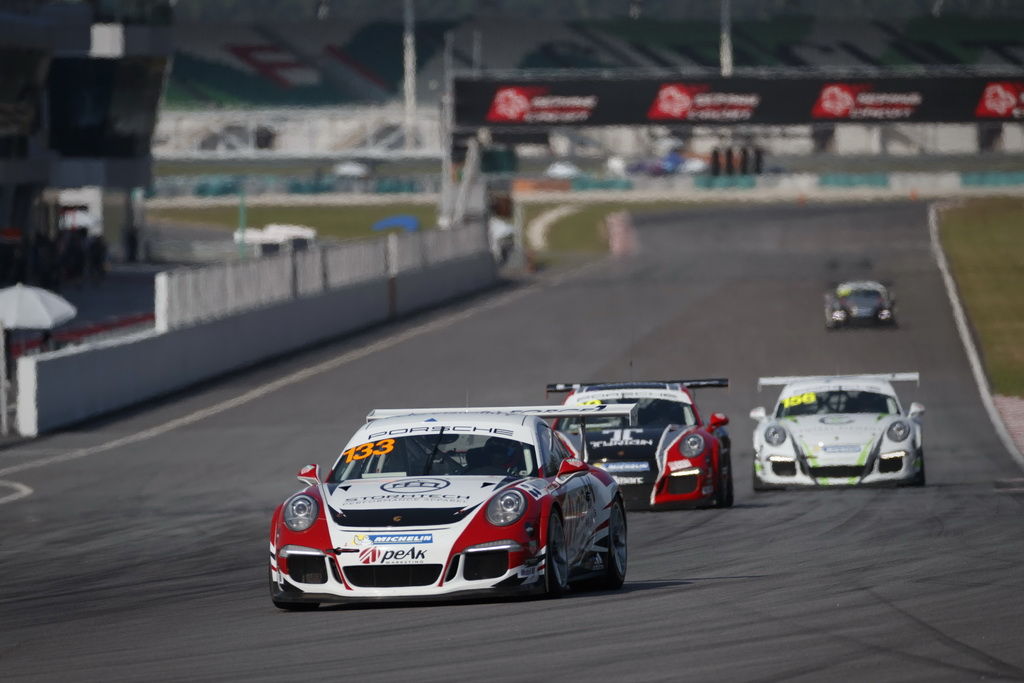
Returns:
<point x="841" y="430"/>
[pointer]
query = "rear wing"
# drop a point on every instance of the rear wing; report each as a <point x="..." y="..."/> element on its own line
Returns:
<point x="565" y="387"/>
<point x="890" y="377"/>
<point x="626" y="410"/>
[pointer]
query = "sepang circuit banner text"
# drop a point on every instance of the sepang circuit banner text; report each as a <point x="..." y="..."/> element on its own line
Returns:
<point x="496" y="102"/>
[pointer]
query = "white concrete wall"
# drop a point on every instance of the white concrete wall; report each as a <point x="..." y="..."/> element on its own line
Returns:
<point x="67" y="386"/>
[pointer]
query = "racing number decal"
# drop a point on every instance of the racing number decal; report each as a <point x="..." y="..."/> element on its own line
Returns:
<point x="800" y="399"/>
<point x="382" y="447"/>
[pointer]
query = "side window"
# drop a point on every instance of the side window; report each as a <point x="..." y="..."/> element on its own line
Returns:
<point x="552" y="452"/>
<point x="559" y="451"/>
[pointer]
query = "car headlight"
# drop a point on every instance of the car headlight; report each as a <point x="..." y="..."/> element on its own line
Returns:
<point x="692" y="445"/>
<point x="884" y="314"/>
<point x="839" y="315"/>
<point x="774" y="435"/>
<point x="898" y="430"/>
<point x="300" y="512"/>
<point x="506" y="508"/>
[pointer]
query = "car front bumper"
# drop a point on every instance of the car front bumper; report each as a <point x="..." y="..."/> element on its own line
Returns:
<point x="800" y="472"/>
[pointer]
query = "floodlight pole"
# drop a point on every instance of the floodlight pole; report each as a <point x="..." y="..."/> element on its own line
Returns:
<point x="725" y="38"/>
<point x="4" y="418"/>
<point x="447" y="136"/>
<point x="409" y="83"/>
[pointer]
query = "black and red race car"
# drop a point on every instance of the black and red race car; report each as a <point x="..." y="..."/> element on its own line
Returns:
<point x="671" y="458"/>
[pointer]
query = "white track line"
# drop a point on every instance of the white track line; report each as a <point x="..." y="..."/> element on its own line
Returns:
<point x="20" y="491"/>
<point x="965" y="338"/>
<point x="286" y="381"/>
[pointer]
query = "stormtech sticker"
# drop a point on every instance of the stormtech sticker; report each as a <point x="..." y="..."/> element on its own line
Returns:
<point x="407" y="497"/>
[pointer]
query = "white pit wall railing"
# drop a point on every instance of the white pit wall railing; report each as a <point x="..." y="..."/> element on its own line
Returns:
<point x="188" y="296"/>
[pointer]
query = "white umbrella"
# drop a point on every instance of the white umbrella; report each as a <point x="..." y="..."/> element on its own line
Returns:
<point x="33" y="308"/>
<point x="26" y="308"/>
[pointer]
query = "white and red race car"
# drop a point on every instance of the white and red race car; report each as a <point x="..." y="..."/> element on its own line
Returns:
<point x="450" y="502"/>
<point x="671" y="459"/>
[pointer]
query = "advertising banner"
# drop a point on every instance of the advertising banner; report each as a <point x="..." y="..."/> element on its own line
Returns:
<point x="729" y="101"/>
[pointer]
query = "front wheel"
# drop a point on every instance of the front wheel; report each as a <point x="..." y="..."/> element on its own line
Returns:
<point x="616" y="555"/>
<point x="919" y="479"/>
<point x="723" y="491"/>
<point x="556" y="561"/>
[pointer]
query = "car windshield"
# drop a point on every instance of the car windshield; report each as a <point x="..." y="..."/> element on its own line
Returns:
<point x="837" y="401"/>
<point x="441" y="453"/>
<point x="651" y="413"/>
<point x="862" y="295"/>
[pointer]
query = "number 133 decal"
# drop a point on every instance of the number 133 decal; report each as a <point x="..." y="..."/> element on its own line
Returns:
<point x="382" y="447"/>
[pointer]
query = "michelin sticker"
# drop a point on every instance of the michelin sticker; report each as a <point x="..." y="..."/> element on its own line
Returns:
<point x="623" y="466"/>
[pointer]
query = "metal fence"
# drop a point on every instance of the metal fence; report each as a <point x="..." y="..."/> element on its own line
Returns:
<point x="192" y="295"/>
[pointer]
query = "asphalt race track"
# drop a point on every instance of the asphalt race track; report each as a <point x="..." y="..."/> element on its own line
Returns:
<point x="147" y="560"/>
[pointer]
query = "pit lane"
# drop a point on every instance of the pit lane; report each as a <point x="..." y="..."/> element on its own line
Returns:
<point x="148" y="560"/>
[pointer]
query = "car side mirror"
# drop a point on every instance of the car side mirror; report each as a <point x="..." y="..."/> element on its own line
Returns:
<point x="718" y="420"/>
<point x="916" y="409"/>
<point x="570" y="467"/>
<point x="758" y="413"/>
<point x="310" y="474"/>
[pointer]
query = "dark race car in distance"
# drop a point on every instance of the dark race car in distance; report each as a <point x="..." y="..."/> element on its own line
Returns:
<point x="859" y="302"/>
<point x="670" y="459"/>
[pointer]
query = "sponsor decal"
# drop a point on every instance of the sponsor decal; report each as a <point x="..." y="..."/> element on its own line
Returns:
<point x="620" y="437"/>
<point x="422" y="485"/>
<point x="859" y="101"/>
<point x="536" y="104"/>
<point x="627" y="480"/>
<point x="526" y="572"/>
<point x="846" y="448"/>
<point x="698" y="102"/>
<point x="406" y="497"/>
<point x="374" y="555"/>
<point x="1001" y="100"/>
<point x="390" y="539"/>
<point x="623" y="466"/>
<point x="835" y="420"/>
<point x="674" y="465"/>
<point x="433" y="429"/>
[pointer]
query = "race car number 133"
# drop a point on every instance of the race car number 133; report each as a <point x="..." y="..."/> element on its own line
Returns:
<point x="382" y="447"/>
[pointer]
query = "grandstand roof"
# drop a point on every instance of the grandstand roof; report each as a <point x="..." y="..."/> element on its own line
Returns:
<point x="262" y="10"/>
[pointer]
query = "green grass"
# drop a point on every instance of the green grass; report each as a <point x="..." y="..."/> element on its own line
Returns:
<point x="583" y="231"/>
<point x="984" y="241"/>
<point x="338" y="222"/>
